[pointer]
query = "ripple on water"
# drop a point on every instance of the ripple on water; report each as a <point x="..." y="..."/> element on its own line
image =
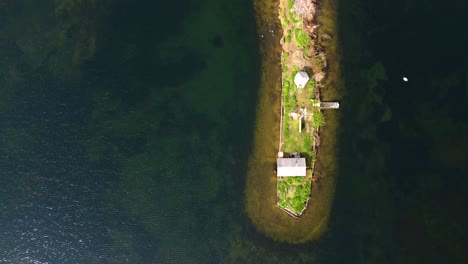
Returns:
<point x="47" y="220"/>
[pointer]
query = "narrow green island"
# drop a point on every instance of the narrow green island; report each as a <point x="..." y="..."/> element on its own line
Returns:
<point x="292" y="168"/>
<point x="301" y="114"/>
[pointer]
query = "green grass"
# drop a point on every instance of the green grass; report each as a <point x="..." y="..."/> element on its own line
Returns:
<point x="292" y="14"/>
<point x="293" y="193"/>
<point x="291" y="77"/>
<point x="290" y="102"/>
<point x="283" y="62"/>
<point x="284" y="19"/>
<point x="289" y="94"/>
<point x="297" y="142"/>
<point x="311" y="85"/>
<point x="301" y="37"/>
<point x="318" y="119"/>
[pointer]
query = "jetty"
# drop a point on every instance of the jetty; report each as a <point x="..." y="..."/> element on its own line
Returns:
<point x="327" y="105"/>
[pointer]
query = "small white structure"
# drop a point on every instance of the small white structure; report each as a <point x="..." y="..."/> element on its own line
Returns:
<point x="329" y="105"/>
<point x="301" y="79"/>
<point x="405" y="79"/>
<point x="288" y="167"/>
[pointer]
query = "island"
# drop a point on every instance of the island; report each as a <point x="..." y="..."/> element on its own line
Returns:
<point x="301" y="115"/>
<point x="292" y="168"/>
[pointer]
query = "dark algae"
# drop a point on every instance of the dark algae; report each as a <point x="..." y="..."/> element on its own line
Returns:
<point x="401" y="148"/>
<point x="401" y="188"/>
<point x="129" y="129"/>
<point x="124" y="129"/>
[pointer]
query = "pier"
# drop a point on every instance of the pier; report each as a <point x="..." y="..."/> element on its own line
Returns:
<point x="327" y="105"/>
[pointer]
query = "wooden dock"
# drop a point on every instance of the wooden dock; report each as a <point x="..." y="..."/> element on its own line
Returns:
<point x="328" y="105"/>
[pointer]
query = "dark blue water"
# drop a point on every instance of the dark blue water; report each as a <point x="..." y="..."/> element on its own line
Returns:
<point x="125" y="129"/>
<point x="401" y="194"/>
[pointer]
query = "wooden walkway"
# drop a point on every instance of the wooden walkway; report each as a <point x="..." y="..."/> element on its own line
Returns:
<point x="328" y="105"/>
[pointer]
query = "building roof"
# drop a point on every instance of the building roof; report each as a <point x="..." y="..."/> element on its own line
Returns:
<point x="290" y="167"/>
<point x="301" y="79"/>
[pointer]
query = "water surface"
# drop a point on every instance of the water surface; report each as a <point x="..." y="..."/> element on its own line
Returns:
<point x="126" y="127"/>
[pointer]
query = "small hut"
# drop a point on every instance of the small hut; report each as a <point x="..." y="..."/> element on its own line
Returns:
<point x="288" y="167"/>
<point x="301" y="79"/>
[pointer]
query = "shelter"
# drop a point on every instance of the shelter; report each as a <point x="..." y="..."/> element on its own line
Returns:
<point x="301" y="79"/>
<point x="287" y="167"/>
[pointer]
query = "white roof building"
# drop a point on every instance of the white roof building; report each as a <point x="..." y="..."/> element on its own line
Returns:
<point x="301" y="79"/>
<point x="287" y="167"/>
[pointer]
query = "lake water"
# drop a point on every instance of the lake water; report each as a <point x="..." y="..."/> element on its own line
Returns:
<point x="126" y="128"/>
<point x="403" y="146"/>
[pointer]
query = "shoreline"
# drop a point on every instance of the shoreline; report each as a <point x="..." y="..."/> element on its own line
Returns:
<point x="260" y="193"/>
